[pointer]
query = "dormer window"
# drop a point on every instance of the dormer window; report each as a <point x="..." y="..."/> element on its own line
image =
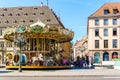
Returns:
<point x="7" y="22"/>
<point x="26" y="14"/>
<point x="23" y="21"/>
<point x="10" y="14"/>
<point x="42" y="13"/>
<point x="33" y="14"/>
<point x="5" y="9"/>
<point x="15" y="22"/>
<point x="19" y="8"/>
<point x="18" y="14"/>
<point x="48" y="20"/>
<point x="31" y="21"/>
<point x="106" y="11"/>
<point x="115" y="11"/>
<point x="2" y="14"/>
<point x="35" y="8"/>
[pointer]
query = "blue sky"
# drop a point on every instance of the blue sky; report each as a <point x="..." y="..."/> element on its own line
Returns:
<point x="73" y="13"/>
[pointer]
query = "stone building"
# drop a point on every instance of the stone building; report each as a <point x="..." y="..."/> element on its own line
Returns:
<point x="104" y="32"/>
<point x="80" y="47"/>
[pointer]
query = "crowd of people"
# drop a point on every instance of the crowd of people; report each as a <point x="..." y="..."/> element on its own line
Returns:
<point x="83" y="62"/>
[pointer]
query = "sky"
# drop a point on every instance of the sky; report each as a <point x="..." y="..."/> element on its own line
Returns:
<point x="73" y="13"/>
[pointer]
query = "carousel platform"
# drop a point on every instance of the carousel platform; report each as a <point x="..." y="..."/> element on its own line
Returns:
<point x="38" y="67"/>
<point x="2" y="65"/>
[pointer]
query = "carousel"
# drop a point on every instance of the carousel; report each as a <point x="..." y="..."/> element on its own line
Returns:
<point x="38" y="46"/>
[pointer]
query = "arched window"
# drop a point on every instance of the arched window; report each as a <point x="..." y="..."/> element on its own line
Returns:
<point x="97" y="57"/>
<point x="114" y="55"/>
<point x="105" y="56"/>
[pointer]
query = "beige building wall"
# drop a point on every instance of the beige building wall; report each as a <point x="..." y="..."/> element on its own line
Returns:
<point x="99" y="15"/>
<point x="101" y="27"/>
<point x="101" y="37"/>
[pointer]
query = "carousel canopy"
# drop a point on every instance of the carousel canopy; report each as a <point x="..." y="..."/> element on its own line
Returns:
<point x="39" y="30"/>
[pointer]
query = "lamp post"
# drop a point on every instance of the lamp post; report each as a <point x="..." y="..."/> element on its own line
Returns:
<point x="20" y="41"/>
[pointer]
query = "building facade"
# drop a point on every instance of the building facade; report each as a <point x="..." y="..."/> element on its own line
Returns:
<point x="80" y="48"/>
<point x="104" y="33"/>
<point x="20" y="16"/>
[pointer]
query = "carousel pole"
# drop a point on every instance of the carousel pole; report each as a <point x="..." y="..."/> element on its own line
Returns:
<point x="49" y="45"/>
<point x="33" y="44"/>
<point x="29" y="43"/>
<point x="29" y="46"/>
<point x="44" y="50"/>
<point x="37" y="43"/>
<point x="57" y="47"/>
<point x="20" y="68"/>
<point x="21" y="41"/>
<point x="54" y="46"/>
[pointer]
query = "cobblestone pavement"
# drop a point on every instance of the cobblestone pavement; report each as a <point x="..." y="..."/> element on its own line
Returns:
<point x="68" y="72"/>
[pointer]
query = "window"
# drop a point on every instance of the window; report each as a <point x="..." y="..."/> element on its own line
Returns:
<point x="114" y="31"/>
<point x="96" y="22"/>
<point x="48" y="20"/>
<point x="105" y="21"/>
<point x="9" y="44"/>
<point x="105" y="32"/>
<point x="2" y="27"/>
<point x="42" y="13"/>
<point x="18" y="14"/>
<point x="115" y="11"/>
<point x="105" y="43"/>
<point x="96" y="43"/>
<point x="106" y="11"/>
<point x="31" y="21"/>
<point x="19" y="8"/>
<point x="23" y="21"/>
<point x="5" y="9"/>
<point x="33" y="14"/>
<point x="2" y="15"/>
<point x="0" y="32"/>
<point x="114" y="21"/>
<point x="114" y="43"/>
<point x="7" y="22"/>
<point x="15" y="22"/>
<point x="35" y="8"/>
<point x="96" y="32"/>
<point x="1" y="44"/>
<point x="10" y="14"/>
<point x="26" y="14"/>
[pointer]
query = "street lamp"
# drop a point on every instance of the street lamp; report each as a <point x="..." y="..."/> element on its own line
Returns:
<point x="20" y="41"/>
